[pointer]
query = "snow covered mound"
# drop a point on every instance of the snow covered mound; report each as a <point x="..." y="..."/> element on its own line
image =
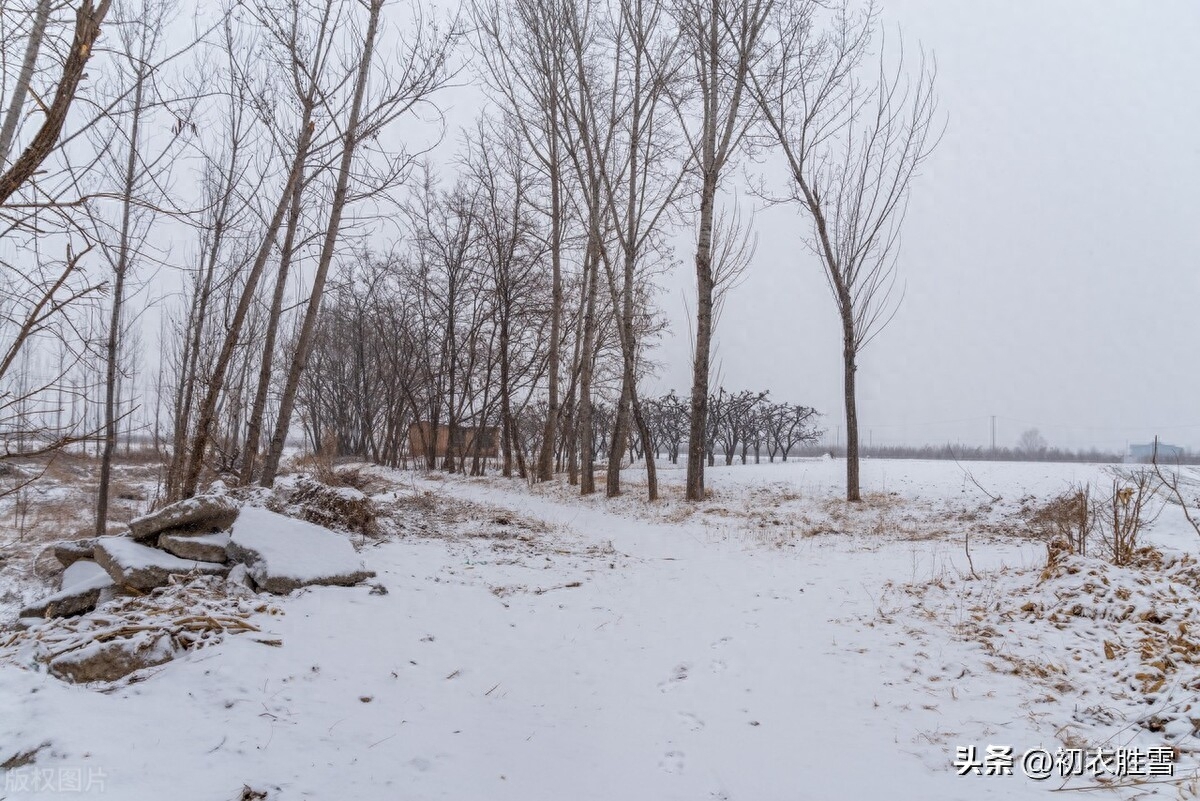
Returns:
<point x="338" y="508"/>
<point x="283" y="553"/>
<point x="1118" y="646"/>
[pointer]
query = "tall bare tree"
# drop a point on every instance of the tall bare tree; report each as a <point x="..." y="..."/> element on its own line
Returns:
<point x="853" y="144"/>
<point x="640" y="190"/>
<point x="143" y="177"/>
<point x="724" y="41"/>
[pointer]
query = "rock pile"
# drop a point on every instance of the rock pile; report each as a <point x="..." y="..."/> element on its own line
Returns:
<point x="205" y="535"/>
<point x="193" y="543"/>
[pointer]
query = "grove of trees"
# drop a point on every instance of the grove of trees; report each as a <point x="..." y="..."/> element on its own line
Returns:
<point x="274" y="182"/>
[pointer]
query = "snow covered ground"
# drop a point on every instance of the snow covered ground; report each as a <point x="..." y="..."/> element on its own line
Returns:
<point x="769" y="643"/>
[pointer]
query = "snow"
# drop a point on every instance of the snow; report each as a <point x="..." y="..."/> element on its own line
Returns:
<point x="283" y="553"/>
<point x="770" y="643"/>
<point x="85" y="573"/>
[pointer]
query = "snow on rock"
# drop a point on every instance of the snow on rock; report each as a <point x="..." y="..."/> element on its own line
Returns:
<point x="201" y="547"/>
<point x="84" y="582"/>
<point x="85" y="571"/>
<point x="201" y="513"/>
<point x="282" y="553"/>
<point x="112" y="659"/>
<point x="139" y="566"/>
<point x="68" y="552"/>
<point x="239" y="575"/>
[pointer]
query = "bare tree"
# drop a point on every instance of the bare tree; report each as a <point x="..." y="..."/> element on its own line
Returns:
<point x="1031" y="443"/>
<point x="853" y="147"/>
<point x="639" y="193"/>
<point x="723" y="39"/>
<point x="788" y="425"/>
<point x="228" y="205"/>
<point x="588" y="131"/>
<point x="303" y="61"/>
<point x="497" y="163"/>
<point x="143" y="175"/>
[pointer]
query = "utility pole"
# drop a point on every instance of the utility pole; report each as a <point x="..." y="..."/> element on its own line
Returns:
<point x="993" y="433"/>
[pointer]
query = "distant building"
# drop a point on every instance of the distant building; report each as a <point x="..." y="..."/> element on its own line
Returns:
<point x="1145" y="453"/>
<point x="460" y="440"/>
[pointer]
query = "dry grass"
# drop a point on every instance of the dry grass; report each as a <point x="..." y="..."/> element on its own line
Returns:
<point x="193" y="614"/>
<point x="341" y="508"/>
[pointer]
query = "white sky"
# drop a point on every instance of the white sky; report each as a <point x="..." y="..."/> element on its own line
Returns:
<point x="1049" y="253"/>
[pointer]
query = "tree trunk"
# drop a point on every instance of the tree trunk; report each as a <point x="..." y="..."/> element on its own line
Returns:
<point x="505" y="399"/>
<point x="216" y="383"/>
<point x="700" y="364"/>
<point x="550" y="431"/>
<point x="849" y="357"/>
<point x="33" y="46"/>
<point x="114" y="325"/>
<point x="620" y="433"/>
<point x="254" y="424"/>
<point x="587" y="455"/>
<point x="639" y="419"/>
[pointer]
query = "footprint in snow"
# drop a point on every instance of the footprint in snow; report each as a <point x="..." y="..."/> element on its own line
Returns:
<point x="692" y="722"/>
<point x="680" y="674"/>
<point x="672" y="762"/>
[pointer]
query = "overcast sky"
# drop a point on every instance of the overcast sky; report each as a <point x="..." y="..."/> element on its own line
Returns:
<point x="1050" y="252"/>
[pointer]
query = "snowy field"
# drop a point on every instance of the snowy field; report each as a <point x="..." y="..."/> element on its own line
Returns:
<point x="769" y="643"/>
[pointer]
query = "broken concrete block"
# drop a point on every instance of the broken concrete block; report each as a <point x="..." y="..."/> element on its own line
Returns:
<point x="141" y="567"/>
<point x="200" y="514"/>
<point x="282" y="553"/>
<point x="114" y="659"/>
<point x="68" y="552"/>
<point x="84" y="583"/>
<point x="200" y="547"/>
